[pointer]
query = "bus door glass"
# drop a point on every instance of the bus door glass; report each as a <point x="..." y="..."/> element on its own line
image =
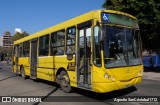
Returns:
<point x="84" y="57"/>
<point x="33" y="58"/>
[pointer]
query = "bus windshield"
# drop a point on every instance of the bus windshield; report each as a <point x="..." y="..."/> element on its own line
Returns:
<point x="121" y="47"/>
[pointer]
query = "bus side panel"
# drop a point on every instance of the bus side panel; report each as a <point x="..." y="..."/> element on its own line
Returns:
<point x="73" y="80"/>
<point x="45" y="69"/>
<point x="24" y="61"/>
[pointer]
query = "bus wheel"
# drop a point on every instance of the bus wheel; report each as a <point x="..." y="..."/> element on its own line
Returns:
<point x="65" y="82"/>
<point x="23" y="75"/>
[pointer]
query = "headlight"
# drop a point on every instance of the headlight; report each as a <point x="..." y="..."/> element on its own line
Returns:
<point x="107" y="76"/>
<point x="139" y="73"/>
<point x="113" y="79"/>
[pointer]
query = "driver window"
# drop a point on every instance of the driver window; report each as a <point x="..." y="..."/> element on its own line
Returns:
<point x="96" y="47"/>
<point x="88" y="47"/>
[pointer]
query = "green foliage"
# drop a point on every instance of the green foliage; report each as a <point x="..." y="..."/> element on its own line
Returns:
<point x="6" y="51"/>
<point x="1" y="49"/>
<point x="148" y="15"/>
<point x="19" y="35"/>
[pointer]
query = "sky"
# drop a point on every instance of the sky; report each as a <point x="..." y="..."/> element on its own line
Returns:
<point x="35" y="15"/>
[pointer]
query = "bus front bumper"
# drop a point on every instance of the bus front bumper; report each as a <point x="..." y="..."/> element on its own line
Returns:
<point x="117" y="85"/>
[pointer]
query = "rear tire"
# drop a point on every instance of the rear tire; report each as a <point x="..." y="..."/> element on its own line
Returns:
<point x="23" y="74"/>
<point x="65" y="82"/>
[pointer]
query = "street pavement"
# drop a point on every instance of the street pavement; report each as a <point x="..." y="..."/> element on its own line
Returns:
<point x="13" y="85"/>
<point x="151" y="75"/>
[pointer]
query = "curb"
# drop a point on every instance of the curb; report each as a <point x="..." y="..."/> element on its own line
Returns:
<point x="157" y="79"/>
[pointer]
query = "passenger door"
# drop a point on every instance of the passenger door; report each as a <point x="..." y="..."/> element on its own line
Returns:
<point x="33" y="59"/>
<point x="83" y="56"/>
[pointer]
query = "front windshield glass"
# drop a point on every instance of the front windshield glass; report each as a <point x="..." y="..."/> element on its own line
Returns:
<point x="121" y="47"/>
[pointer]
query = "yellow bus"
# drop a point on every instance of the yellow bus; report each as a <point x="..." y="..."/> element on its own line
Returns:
<point x="98" y="51"/>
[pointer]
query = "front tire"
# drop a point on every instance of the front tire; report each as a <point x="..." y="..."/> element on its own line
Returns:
<point x="65" y="82"/>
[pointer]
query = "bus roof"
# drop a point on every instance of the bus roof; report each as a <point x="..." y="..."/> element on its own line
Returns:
<point x="74" y="21"/>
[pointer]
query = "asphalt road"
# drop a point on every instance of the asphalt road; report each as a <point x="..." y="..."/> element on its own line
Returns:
<point x="13" y="85"/>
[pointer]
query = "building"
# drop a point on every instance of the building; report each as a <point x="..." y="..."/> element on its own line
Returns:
<point x="6" y="40"/>
<point x="18" y="30"/>
<point x="1" y="40"/>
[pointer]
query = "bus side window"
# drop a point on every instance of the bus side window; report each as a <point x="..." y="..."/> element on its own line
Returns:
<point x="26" y="47"/>
<point x="44" y="45"/>
<point x="57" y="42"/>
<point x="21" y="49"/>
<point x="71" y="36"/>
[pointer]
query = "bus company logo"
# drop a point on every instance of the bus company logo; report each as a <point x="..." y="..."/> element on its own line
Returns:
<point x="6" y="99"/>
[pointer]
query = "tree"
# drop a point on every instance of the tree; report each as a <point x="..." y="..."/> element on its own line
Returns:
<point x="148" y="15"/>
<point x="18" y="35"/>
<point x="5" y="52"/>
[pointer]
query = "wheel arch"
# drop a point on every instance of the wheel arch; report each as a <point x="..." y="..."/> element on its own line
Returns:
<point x="58" y="74"/>
<point x="59" y="71"/>
<point x="21" y="68"/>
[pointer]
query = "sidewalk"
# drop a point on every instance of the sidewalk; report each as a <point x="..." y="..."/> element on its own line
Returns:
<point x="151" y="75"/>
<point x="5" y="63"/>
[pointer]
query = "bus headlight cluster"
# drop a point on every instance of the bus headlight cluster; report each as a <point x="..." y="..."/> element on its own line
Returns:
<point x="140" y="73"/>
<point x="107" y="76"/>
<point x="113" y="79"/>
